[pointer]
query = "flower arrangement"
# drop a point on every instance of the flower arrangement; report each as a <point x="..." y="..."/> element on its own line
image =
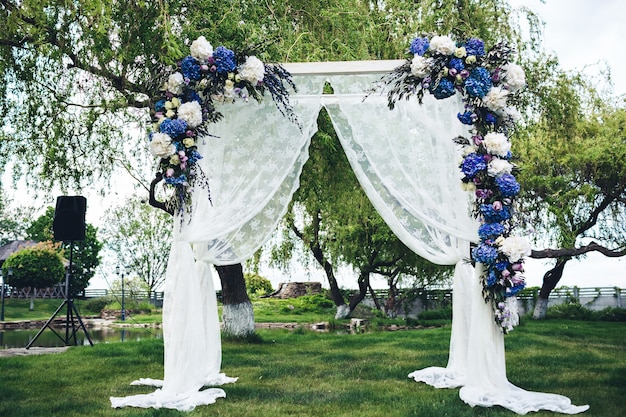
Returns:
<point x="486" y="80"/>
<point x="186" y="106"/>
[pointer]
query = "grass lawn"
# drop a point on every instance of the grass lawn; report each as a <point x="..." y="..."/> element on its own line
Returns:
<point x="303" y="373"/>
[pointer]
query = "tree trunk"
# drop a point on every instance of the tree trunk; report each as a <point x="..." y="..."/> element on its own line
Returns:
<point x="550" y="279"/>
<point x="237" y="313"/>
<point x="32" y="299"/>
<point x="364" y="280"/>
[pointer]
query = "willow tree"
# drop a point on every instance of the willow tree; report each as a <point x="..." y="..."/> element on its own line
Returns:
<point x="573" y="160"/>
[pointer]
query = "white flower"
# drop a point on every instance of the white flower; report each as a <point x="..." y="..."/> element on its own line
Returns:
<point x="514" y="77"/>
<point x="175" y="83"/>
<point x="191" y="112"/>
<point x="515" y="248"/>
<point x="495" y="99"/>
<point x="468" y="186"/>
<point x="498" y="167"/>
<point x="253" y="70"/>
<point x="161" y="145"/>
<point x="467" y="149"/>
<point x="443" y="44"/>
<point x="497" y="144"/>
<point x="201" y="49"/>
<point x="420" y="66"/>
<point x="512" y="113"/>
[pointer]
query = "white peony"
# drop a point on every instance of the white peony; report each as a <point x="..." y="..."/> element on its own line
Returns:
<point x="191" y="112"/>
<point x="498" y="167"/>
<point x="161" y="145"/>
<point x="252" y="71"/>
<point x="175" y="83"/>
<point x="495" y="100"/>
<point x="514" y="77"/>
<point x="443" y="44"/>
<point x="201" y="49"/>
<point x="497" y="144"/>
<point x="420" y="66"/>
<point x="515" y="248"/>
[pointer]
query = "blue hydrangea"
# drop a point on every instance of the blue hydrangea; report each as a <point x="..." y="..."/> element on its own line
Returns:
<point x="490" y="230"/>
<point x="443" y="89"/>
<point x="457" y="64"/>
<point x="492" y="278"/>
<point x="501" y="266"/>
<point x="467" y="118"/>
<point x="419" y="46"/>
<point x="475" y="46"/>
<point x="159" y="105"/>
<point x="478" y="83"/>
<point x="508" y="185"/>
<point x="193" y="156"/>
<point x="511" y="291"/>
<point x="190" y="68"/>
<point x="224" y="59"/>
<point x="173" y="127"/>
<point x="491" y="118"/>
<point x="495" y="216"/>
<point x="485" y="254"/>
<point x="180" y="180"/>
<point x="191" y="95"/>
<point x="473" y="164"/>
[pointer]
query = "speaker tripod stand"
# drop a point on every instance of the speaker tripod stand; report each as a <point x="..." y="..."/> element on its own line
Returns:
<point x="70" y="315"/>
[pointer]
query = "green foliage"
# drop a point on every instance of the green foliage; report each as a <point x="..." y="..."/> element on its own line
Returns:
<point x="257" y="285"/>
<point x="442" y="313"/>
<point x="38" y="266"/>
<point x="139" y="236"/>
<point x="85" y="253"/>
<point x="576" y="311"/>
<point x="611" y="314"/>
<point x="96" y="305"/>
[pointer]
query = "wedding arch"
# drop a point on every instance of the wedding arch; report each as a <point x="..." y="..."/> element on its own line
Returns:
<point x="408" y="166"/>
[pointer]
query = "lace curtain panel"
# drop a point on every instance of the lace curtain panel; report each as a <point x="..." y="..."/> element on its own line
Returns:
<point x="407" y="164"/>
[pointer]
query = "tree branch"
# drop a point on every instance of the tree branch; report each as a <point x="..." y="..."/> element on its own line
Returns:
<point x="571" y="252"/>
<point x="153" y="201"/>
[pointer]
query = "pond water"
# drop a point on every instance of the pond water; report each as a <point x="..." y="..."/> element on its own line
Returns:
<point x="21" y="338"/>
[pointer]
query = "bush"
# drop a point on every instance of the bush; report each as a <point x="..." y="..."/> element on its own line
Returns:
<point x="257" y="285"/>
<point x="612" y="314"/>
<point x="440" y="314"/>
<point x="96" y="305"/>
<point x="38" y="266"/>
<point x="572" y="311"/>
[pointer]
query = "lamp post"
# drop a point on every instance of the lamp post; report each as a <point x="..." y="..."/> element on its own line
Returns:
<point x="2" y="310"/>
<point x="117" y="271"/>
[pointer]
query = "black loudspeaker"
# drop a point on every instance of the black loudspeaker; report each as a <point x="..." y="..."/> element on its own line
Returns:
<point x="69" y="218"/>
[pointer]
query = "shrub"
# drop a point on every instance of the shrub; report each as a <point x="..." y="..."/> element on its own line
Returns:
<point x="38" y="266"/>
<point x="612" y="314"/>
<point x="257" y="285"/>
<point x="572" y="311"/>
<point x="96" y="305"/>
<point x="440" y="314"/>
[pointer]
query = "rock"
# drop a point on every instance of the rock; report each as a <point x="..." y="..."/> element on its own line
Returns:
<point x="297" y="289"/>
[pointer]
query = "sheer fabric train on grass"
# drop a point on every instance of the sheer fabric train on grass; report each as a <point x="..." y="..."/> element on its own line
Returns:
<point x="408" y="166"/>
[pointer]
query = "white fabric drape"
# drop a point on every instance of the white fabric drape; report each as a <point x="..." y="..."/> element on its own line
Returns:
<point x="253" y="163"/>
<point x="407" y="164"/>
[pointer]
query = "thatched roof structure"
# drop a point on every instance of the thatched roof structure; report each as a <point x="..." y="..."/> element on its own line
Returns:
<point x="11" y="247"/>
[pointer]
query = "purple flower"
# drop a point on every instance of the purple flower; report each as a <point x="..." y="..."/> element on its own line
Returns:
<point x="190" y="68"/>
<point x="507" y="185"/>
<point x="484" y="193"/>
<point x="491" y="118"/>
<point x="490" y="230"/>
<point x="485" y="254"/>
<point x="443" y="89"/>
<point x="224" y="59"/>
<point x="475" y="46"/>
<point x="419" y="46"/>
<point x="173" y="127"/>
<point x="472" y="165"/>
<point x="467" y="118"/>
